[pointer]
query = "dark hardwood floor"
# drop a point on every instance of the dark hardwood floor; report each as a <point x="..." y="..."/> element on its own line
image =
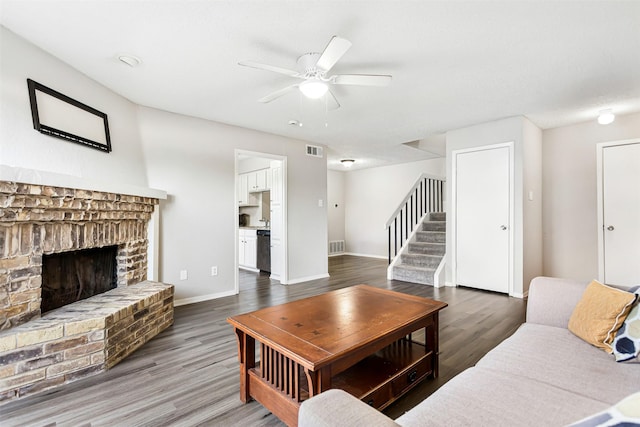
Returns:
<point x="188" y="375"/>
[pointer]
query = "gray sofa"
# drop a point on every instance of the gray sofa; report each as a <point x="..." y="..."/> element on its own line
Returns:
<point x="542" y="375"/>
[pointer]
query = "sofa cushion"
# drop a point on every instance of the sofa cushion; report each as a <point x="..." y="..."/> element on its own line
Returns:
<point x="484" y="397"/>
<point x="557" y="357"/>
<point x="600" y="313"/>
<point x="626" y="344"/>
<point x="624" y="413"/>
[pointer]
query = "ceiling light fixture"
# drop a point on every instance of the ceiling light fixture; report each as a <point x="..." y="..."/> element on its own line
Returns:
<point x="347" y="162"/>
<point x="606" y="117"/>
<point x="313" y="88"/>
<point x="130" y="60"/>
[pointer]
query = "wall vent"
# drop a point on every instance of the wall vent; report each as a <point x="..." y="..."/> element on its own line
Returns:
<point x="336" y="247"/>
<point x="313" y="150"/>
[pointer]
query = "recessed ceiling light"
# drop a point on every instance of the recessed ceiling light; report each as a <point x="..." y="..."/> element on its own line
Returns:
<point x="606" y="117"/>
<point x="130" y="60"/>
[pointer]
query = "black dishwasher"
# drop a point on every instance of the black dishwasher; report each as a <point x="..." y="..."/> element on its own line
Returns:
<point x="264" y="250"/>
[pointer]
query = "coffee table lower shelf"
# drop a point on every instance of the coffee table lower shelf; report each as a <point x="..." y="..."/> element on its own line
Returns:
<point x="378" y="380"/>
<point x="383" y="377"/>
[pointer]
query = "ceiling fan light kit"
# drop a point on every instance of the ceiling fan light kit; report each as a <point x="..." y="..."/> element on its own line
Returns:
<point x="313" y="88"/>
<point x="313" y="68"/>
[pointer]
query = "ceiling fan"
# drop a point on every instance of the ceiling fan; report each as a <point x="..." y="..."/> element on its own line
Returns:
<point x="313" y="68"/>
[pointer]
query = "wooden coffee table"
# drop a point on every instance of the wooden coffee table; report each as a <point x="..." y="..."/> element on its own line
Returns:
<point x="358" y="339"/>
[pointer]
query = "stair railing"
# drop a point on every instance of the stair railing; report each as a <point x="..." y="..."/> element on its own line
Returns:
<point x="426" y="196"/>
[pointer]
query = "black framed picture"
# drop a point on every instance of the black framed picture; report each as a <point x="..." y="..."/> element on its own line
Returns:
<point x="57" y="115"/>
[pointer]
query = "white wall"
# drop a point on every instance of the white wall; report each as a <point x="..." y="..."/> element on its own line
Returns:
<point x="570" y="196"/>
<point x="526" y="139"/>
<point x="372" y="195"/>
<point x="21" y="146"/>
<point x="335" y="205"/>
<point x="193" y="160"/>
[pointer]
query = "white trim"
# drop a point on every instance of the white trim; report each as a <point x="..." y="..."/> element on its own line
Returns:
<point x="520" y="295"/>
<point x="153" y="248"/>
<point x="454" y="225"/>
<point x="439" y="273"/>
<point x="251" y="269"/>
<point x="306" y="279"/>
<point x="600" y="198"/>
<point x="200" y="298"/>
<point x="366" y="255"/>
<point x="285" y="247"/>
<point x="337" y="254"/>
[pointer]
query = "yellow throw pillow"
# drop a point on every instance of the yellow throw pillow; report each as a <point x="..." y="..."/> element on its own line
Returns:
<point x="600" y="313"/>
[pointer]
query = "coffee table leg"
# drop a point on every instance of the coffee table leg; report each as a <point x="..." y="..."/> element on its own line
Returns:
<point x="318" y="381"/>
<point x="247" y="357"/>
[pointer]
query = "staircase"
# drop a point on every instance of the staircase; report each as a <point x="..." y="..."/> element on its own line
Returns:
<point x="420" y="258"/>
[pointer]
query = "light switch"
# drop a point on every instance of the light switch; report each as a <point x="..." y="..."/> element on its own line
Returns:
<point x="183" y="275"/>
<point x="531" y="196"/>
<point x="320" y="203"/>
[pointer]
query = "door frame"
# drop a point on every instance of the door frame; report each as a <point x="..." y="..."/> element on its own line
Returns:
<point x="454" y="194"/>
<point x="600" y="203"/>
<point x="285" y="248"/>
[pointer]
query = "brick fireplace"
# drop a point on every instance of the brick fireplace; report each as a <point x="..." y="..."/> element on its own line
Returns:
<point x="38" y="351"/>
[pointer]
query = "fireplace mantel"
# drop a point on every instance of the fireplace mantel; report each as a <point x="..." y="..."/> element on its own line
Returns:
<point x="53" y="179"/>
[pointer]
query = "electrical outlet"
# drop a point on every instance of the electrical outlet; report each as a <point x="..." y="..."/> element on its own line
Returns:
<point x="183" y="275"/>
<point x="214" y="271"/>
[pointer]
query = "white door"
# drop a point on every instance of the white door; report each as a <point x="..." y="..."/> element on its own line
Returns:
<point x="621" y="214"/>
<point x="482" y="243"/>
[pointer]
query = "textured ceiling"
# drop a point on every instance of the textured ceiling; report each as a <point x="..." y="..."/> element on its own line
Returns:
<point x="454" y="64"/>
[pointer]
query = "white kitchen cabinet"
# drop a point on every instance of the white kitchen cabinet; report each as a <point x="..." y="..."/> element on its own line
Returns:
<point x="243" y="189"/>
<point x="259" y="180"/>
<point x="248" y="248"/>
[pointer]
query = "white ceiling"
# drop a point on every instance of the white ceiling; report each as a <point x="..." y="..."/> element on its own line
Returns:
<point x="453" y="63"/>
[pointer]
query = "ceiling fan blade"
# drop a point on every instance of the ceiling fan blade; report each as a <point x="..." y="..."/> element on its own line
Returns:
<point x="362" y="79"/>
<point x="333" y="52"/>
<point x="277" y="94"/>
<point x="280" y="70"/>
<point x="332" y="101"/>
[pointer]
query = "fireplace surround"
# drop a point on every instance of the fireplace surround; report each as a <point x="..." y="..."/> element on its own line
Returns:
<point x="38" y="351"/>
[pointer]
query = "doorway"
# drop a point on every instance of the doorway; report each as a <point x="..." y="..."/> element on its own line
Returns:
<point x="260" y="212"/>
<point x="619" y="212"/>
<point x="482" y="209"/>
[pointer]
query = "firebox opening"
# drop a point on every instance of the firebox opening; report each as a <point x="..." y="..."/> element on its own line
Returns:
<point x="72" y="276"/>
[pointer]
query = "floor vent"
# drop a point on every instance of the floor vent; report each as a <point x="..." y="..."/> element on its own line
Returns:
<point x="336" y="247"/>
<point x="314" y="150"/>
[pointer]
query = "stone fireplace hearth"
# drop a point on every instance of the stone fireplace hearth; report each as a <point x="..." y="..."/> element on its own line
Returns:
<point x="37" y="351"/>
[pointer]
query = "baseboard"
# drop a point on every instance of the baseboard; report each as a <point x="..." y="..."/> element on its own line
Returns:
<point x="253" y="270"/>
<point x="338" y="254"/>
<point x="366" y="255"/>
<point x="520" y="295"/>
<point x="306" y="279"/>
<point x="200" y="298"/>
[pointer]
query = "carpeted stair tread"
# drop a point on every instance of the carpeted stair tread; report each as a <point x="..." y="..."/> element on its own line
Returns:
<point x="431" y="236"/>
<point x="413" y="274"/>
<point x="434" y="226"/>
<point x="421" y="260"/>
<point x="427" y="248"/>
